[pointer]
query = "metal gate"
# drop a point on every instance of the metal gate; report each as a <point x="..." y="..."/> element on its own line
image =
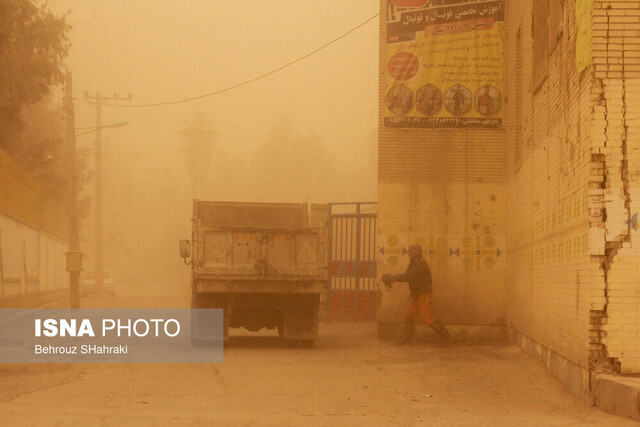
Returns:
<point x="352" y="261"/>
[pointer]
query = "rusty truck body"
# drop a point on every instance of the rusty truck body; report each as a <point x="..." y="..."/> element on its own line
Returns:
<point x="261" y="263"/>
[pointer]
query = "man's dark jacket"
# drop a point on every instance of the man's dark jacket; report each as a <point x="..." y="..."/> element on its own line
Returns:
<point x="418" y="275"/>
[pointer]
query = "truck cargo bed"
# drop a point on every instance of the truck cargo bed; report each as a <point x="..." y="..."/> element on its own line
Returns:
<point x="261" y="263"/>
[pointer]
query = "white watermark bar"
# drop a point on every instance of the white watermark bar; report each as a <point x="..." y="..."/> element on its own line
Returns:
<point x="111" y="335"/>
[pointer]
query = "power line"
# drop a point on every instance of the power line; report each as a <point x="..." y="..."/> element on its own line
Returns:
<point x="246" y="82"/>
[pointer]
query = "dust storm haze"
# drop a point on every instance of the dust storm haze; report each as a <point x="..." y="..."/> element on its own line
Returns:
<point x="306" y="133"/>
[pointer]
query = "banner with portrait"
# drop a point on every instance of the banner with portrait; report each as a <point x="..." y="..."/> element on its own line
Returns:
<point x="444" y="64"/>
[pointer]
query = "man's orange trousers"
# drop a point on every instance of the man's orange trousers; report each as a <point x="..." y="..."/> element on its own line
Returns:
<point x="420" y="308"/>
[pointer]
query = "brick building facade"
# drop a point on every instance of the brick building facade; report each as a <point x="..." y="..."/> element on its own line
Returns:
<point x="555" y="190"/>
<point x="445" y="189"/>
<point x="572" y="281"/>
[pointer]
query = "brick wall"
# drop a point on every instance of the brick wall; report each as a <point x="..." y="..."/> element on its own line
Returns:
<point x="563" y="204"/>
<point x="550" y="274"/>
<point x="571" y="267"/>
<point x="616" y="144"/>
<point x="445" y="189"/>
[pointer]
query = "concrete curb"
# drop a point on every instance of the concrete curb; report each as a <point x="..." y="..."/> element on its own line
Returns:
<point x="614" y="394"/>
<point x="617" y="395"/>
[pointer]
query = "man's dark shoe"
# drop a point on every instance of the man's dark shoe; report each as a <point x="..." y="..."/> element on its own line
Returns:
<point x="442" y="331"/>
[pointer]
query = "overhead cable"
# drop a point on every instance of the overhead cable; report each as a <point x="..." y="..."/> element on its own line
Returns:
<point x="246" y="82"/>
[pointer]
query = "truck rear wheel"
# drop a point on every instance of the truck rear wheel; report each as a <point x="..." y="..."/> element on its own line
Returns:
<point x="210" y="300"/>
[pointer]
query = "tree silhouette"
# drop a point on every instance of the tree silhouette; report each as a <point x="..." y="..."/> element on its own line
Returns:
<point x="295" y="167"/>
<point x="33" y="45"/>
<point x="199" y="138"/>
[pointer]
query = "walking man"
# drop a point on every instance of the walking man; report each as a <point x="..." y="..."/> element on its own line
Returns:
<point x="418" y="275"/>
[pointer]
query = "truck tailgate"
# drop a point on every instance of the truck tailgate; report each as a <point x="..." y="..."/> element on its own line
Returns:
<point x="267" y="252"/>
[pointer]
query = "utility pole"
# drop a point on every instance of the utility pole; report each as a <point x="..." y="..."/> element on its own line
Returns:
<point x="99" y="246"/>
<point x="74" y="256"/>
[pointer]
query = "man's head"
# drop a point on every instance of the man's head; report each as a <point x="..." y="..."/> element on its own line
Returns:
<point x="415" y="251"/>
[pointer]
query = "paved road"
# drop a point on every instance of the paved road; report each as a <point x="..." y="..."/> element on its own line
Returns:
<point x="350" y="378"/>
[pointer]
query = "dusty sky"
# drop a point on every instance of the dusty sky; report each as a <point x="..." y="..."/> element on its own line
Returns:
<point x="161" y="50"/>
<point x="304" y="134"/>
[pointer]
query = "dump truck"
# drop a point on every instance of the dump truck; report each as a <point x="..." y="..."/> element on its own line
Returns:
<point x="261" y="263"/>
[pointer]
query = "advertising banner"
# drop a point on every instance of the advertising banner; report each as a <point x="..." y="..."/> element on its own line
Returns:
<point x="444" y="64"/>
